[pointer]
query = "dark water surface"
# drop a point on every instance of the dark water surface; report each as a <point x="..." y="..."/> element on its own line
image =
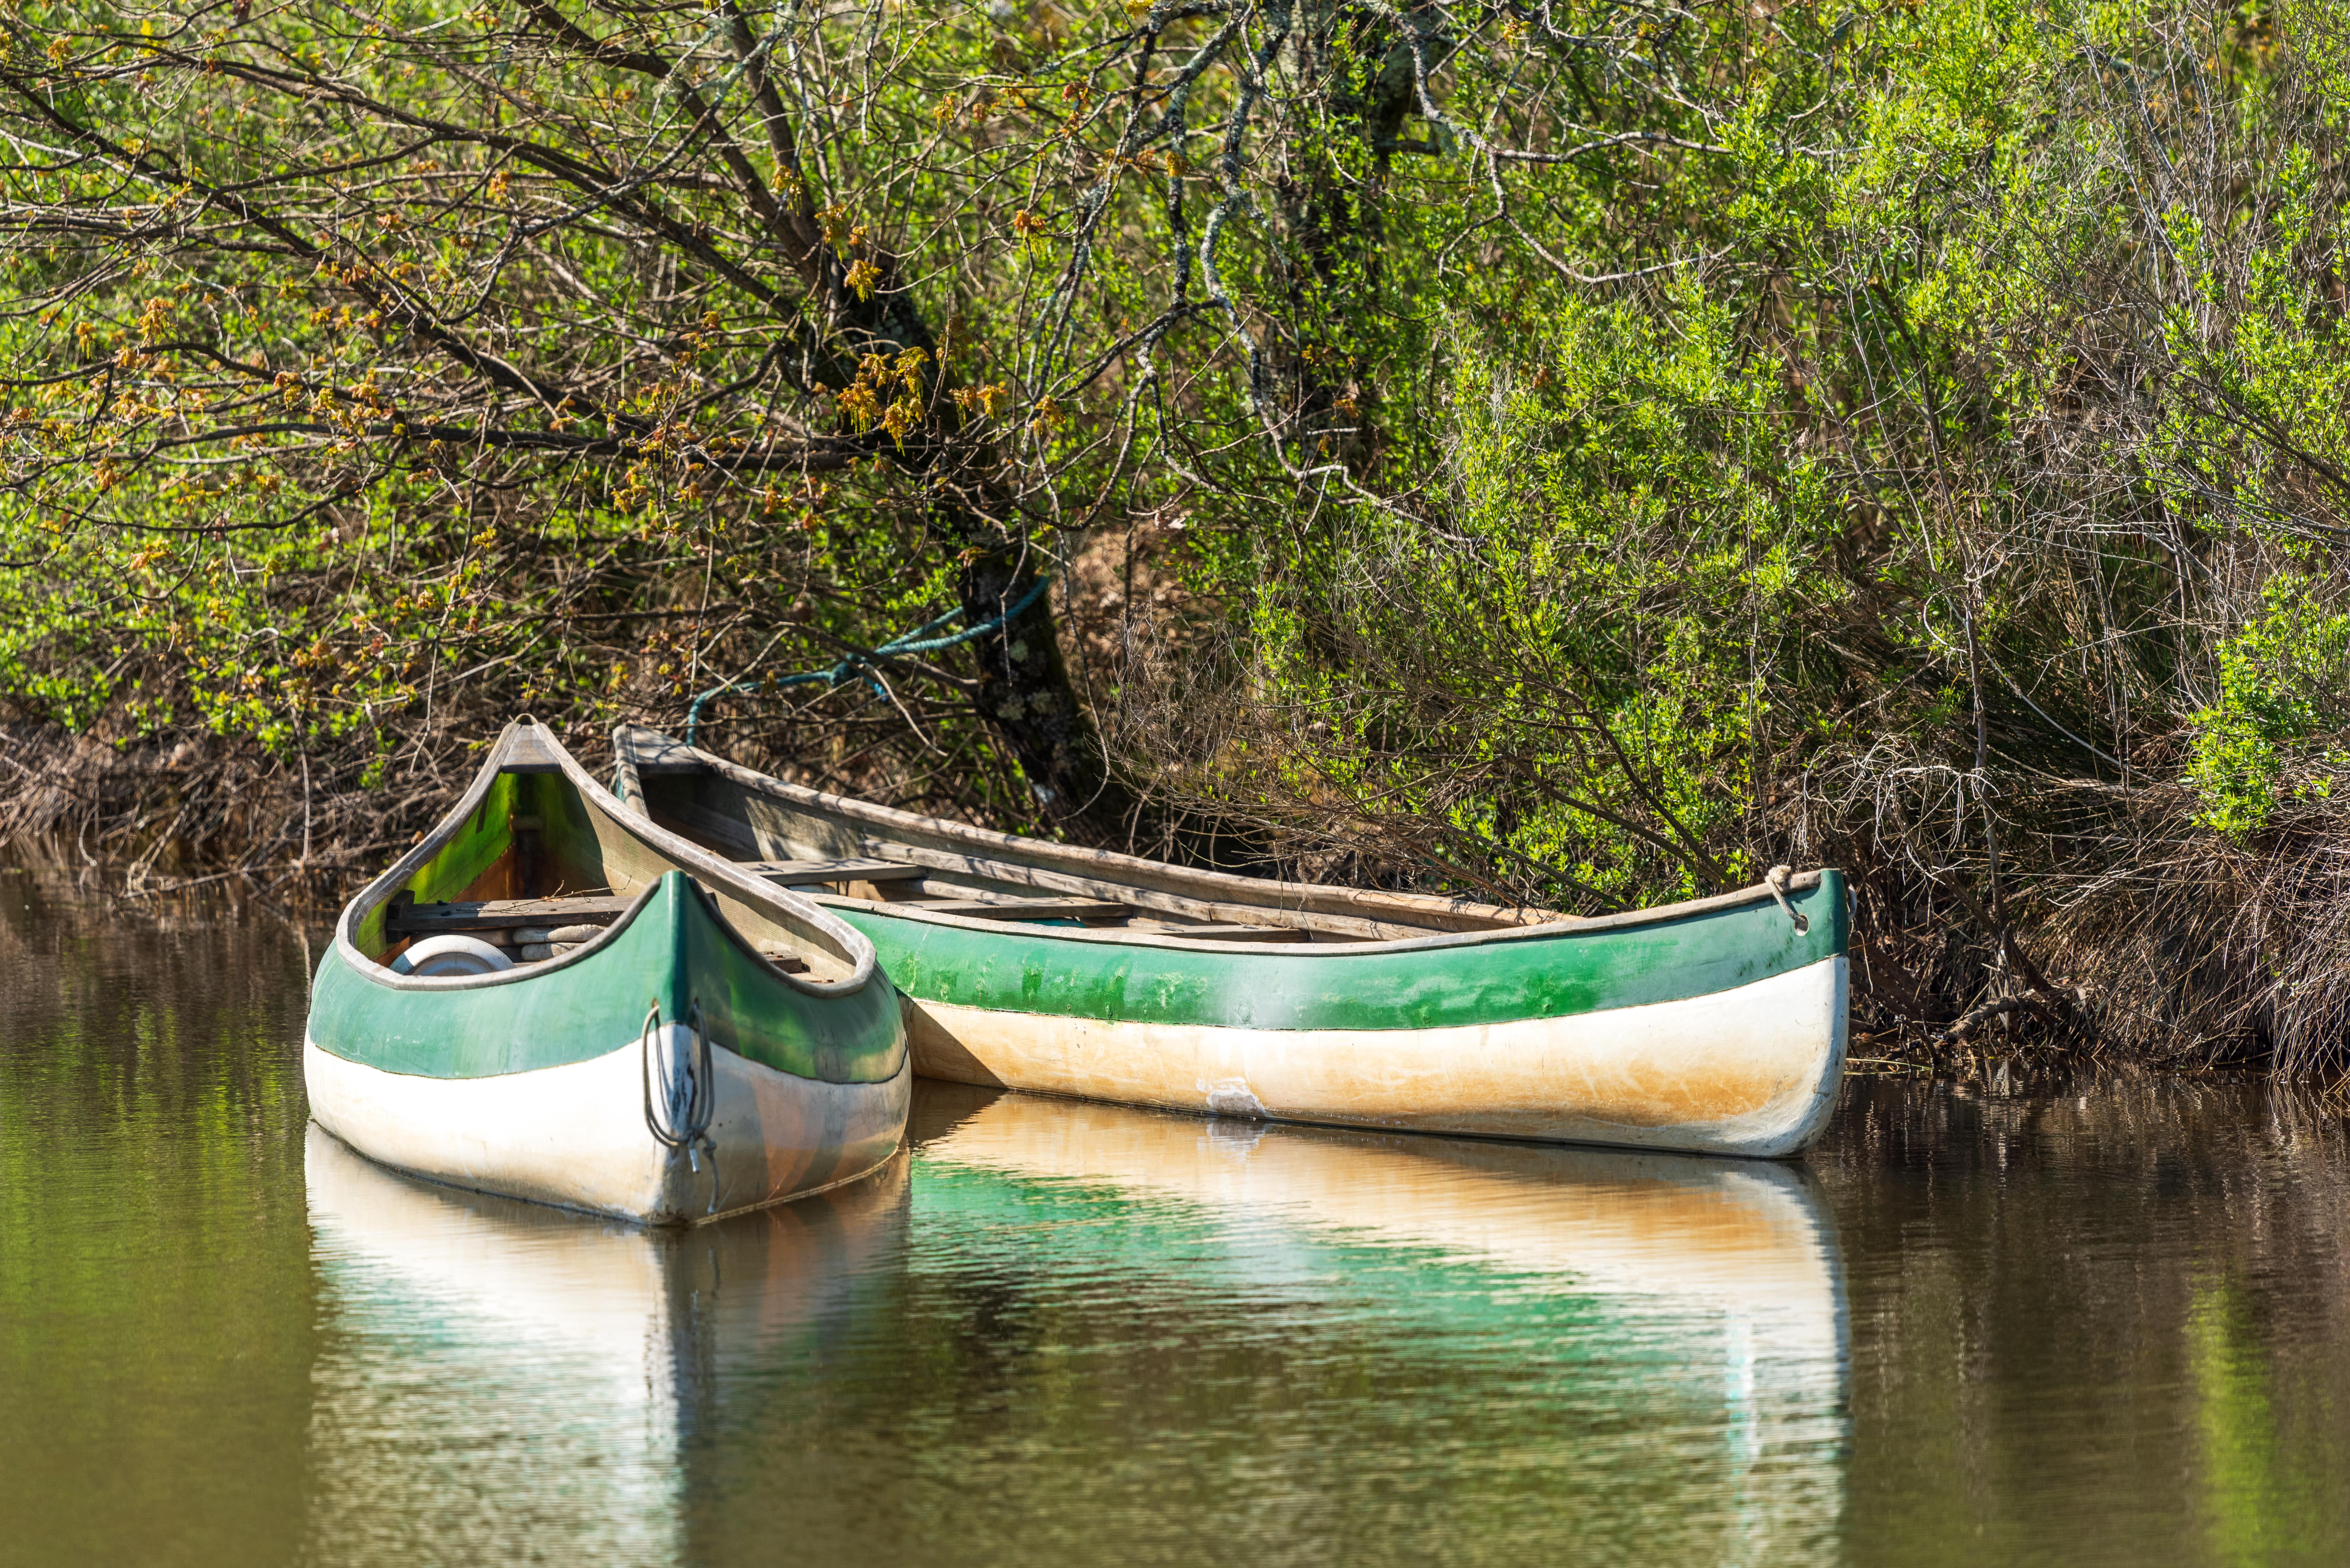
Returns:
<point x="2105" y="1325"/>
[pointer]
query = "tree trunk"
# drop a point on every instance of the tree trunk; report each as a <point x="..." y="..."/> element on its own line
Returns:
<point x="1025" y="696"/>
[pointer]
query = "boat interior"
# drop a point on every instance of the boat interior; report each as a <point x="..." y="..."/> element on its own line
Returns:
<point x="844" y="851"/>
<point x="533" y="870"/>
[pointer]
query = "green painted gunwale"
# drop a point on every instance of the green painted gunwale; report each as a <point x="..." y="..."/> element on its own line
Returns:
<point x="672" y="946"/>
<point x="1442" y="982"/>
<point x="669" y="947"/>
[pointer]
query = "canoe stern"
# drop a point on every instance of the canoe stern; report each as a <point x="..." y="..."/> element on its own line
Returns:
<point x="534" y="1083"/>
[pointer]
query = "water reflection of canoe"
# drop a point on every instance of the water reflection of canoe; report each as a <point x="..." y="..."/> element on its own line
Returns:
<point x="678" y="1040"/>
<point x="481" y="1345"/>
<point x="1716" y="1027"/>
<point x="1727" y="1268"/>
<point x="1084" y="1332"/>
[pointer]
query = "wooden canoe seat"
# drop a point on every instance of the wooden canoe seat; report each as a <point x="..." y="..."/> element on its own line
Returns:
<point x="790" y="872"/>
<point x="1025" y="908"/>
<point x="499" y="917"/>
<point x="496" y="914"/>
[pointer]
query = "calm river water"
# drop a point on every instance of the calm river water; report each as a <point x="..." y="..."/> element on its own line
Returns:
<point x="2109" y="1324"/>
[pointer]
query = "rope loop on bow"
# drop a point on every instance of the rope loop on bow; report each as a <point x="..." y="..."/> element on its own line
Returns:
<point x="1775" y="879"/>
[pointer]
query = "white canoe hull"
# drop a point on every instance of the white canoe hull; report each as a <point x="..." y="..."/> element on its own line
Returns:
<point x="575" y="1135"/>
<point x="1752" y="1070"/>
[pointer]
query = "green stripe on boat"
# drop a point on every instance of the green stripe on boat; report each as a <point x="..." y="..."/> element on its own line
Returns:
<point x="1541" y="973"/>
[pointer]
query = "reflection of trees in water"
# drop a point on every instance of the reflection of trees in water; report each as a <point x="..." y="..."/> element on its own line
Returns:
<point x="155" y="1324"/>
<point x="2109" y="1313"/>
<point x="2100" y="1323"/>
<point x="191" y="1012"/>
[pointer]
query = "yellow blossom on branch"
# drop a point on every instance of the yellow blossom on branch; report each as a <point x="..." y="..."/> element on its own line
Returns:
<point x="988" y="400"/>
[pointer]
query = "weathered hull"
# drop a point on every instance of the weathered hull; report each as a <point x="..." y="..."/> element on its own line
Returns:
<point x="664" y="1070"/>
<point x="575" y="1135"/>
<point x="1716" y="1027"/>
<point x="1649" y="1037"/>
<point x="1750" y="1072"/>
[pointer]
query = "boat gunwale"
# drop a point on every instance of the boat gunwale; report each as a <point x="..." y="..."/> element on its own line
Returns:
<point x="1557" y="927"/>
<point x="519" y="737"/>
<point x="688" y="902"/>
<point x="1661" y="914"/>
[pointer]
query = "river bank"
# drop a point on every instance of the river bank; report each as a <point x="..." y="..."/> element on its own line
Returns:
<point x="2193" y="952"/>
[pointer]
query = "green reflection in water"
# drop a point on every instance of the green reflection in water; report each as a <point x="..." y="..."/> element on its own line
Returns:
<point x="1125" y="1336"/>
<point x="1458" y="1350"/>
<point x="155" y="1294"/>
<point x="2264" y="1497"/>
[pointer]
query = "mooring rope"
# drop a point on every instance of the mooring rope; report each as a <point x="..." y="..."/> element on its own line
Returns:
<point x="899" y="647"/>
<point x="1775" y="879"/>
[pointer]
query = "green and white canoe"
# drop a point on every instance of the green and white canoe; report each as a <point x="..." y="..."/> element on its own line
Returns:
<point x="675" y="1040"/>
<point x="1716" y="1027"/>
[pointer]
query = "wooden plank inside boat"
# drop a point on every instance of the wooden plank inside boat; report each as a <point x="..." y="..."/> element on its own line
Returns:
<point x="792" y="872"/>
<point x="1025" y="908"/>
<point x="814" y="821"/>
<point x="1140" y="898"/>
<point x="430" y="919"/>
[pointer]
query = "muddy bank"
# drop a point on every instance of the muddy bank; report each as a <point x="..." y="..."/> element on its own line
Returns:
<point x="2212" y="961"/>
<point x="130" y="819"/>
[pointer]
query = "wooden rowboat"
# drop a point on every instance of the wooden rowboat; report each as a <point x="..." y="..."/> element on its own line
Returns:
<point x="552" y="998"/>
<point x="1714" y="1027"/>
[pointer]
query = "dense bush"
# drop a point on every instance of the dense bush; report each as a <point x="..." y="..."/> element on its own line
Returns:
<point x="1581" y="454"/>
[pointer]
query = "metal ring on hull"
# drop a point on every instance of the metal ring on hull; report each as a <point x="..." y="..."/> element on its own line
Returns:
<point x="688" y="1122"/>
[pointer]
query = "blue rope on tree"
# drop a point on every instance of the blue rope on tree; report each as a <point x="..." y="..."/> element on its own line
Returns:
<point x="899" y="647"/>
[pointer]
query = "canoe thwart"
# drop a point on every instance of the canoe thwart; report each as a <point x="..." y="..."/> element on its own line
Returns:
<point x="1138" y="897"/>
<point x="536" y="928"/>
<point x="795" y="872"/>
<point x="549" y="914"/>
<point x="1024" y="909"/>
